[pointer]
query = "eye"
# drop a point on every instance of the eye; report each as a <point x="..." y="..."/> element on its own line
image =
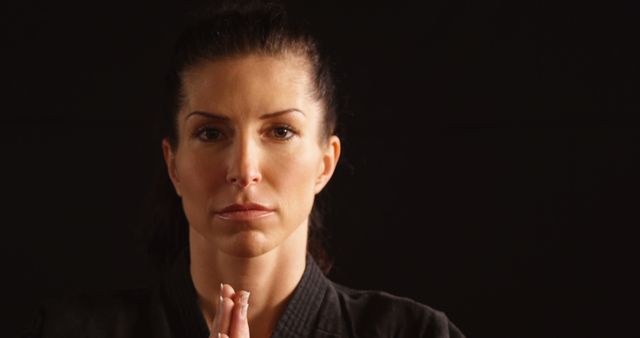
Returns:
<point x="283" y="132"/>
<point x="208" y="134"/>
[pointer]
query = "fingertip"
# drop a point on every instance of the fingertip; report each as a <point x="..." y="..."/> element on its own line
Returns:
<point x="244" y="296"/>
<point x="227" y="291"/>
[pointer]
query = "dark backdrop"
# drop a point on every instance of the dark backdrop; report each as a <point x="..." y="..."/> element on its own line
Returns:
<point x="489" y="170"/>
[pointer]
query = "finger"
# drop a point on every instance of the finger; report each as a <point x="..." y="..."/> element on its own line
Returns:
<point x="214" y="332"/>
<point x="225" y="315"/>
<point x="227" y="291"/>
<point x="239" y="323"/>
<point x="215" y="326"/>
<point x="229" y="298"/>
<point x="223" y="335"/>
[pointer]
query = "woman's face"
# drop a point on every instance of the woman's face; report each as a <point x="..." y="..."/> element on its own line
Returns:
<point x="249" y="132"/>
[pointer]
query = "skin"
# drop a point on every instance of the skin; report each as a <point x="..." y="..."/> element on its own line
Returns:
<point x="249" y="158"/>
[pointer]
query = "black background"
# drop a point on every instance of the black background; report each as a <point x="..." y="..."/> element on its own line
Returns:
<point x="490" y="155"/>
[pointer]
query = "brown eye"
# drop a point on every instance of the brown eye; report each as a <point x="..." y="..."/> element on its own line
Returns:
<point x="283" y="132"/>
<point x="209" y="134"/>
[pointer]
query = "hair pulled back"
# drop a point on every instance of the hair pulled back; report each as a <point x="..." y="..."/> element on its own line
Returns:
<point x="232" y="29"/>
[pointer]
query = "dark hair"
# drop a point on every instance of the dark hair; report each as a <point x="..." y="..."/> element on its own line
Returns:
<point x="229" y="30"/>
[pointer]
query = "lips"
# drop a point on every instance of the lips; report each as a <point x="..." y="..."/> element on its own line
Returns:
<point x="245" y="207"/>
<point x="244" y="212"/>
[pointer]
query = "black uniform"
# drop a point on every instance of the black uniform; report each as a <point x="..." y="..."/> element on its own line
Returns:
<point x="317" y="308"/>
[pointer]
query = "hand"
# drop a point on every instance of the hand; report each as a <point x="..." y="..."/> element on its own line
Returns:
<point x="231" y="316"/>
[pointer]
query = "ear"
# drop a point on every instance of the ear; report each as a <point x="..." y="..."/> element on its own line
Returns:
<point x="170" y="160"/>
<point x="330" y="156"/>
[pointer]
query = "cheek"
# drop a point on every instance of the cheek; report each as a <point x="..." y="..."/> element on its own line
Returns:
<point x="200" y="176"/>
<point x="293" y="176"/>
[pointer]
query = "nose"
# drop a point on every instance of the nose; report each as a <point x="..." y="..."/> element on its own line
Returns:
<point x="244" y="169"/>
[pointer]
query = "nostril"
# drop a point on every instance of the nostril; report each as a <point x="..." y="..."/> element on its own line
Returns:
<point x="244" y="180"/>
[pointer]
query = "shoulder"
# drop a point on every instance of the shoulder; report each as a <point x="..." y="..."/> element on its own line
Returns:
<point x="379" y="313"/>
<point x="92" y="314"/>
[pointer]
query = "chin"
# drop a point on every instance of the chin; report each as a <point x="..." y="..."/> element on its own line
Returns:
<point x="248" y="244"/>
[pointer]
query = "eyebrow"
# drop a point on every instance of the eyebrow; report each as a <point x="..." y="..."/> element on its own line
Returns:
<point x="219" y="117"/>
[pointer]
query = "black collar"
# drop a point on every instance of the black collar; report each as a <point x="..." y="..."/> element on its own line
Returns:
<point x="300" y="317"/>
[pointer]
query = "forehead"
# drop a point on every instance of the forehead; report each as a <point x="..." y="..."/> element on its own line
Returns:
<point x="249" y="84"/>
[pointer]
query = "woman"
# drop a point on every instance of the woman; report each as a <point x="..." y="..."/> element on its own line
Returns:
<point x="249" y="143"/>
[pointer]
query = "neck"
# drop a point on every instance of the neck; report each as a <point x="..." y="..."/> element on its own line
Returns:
<point x="270" y="277"/>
